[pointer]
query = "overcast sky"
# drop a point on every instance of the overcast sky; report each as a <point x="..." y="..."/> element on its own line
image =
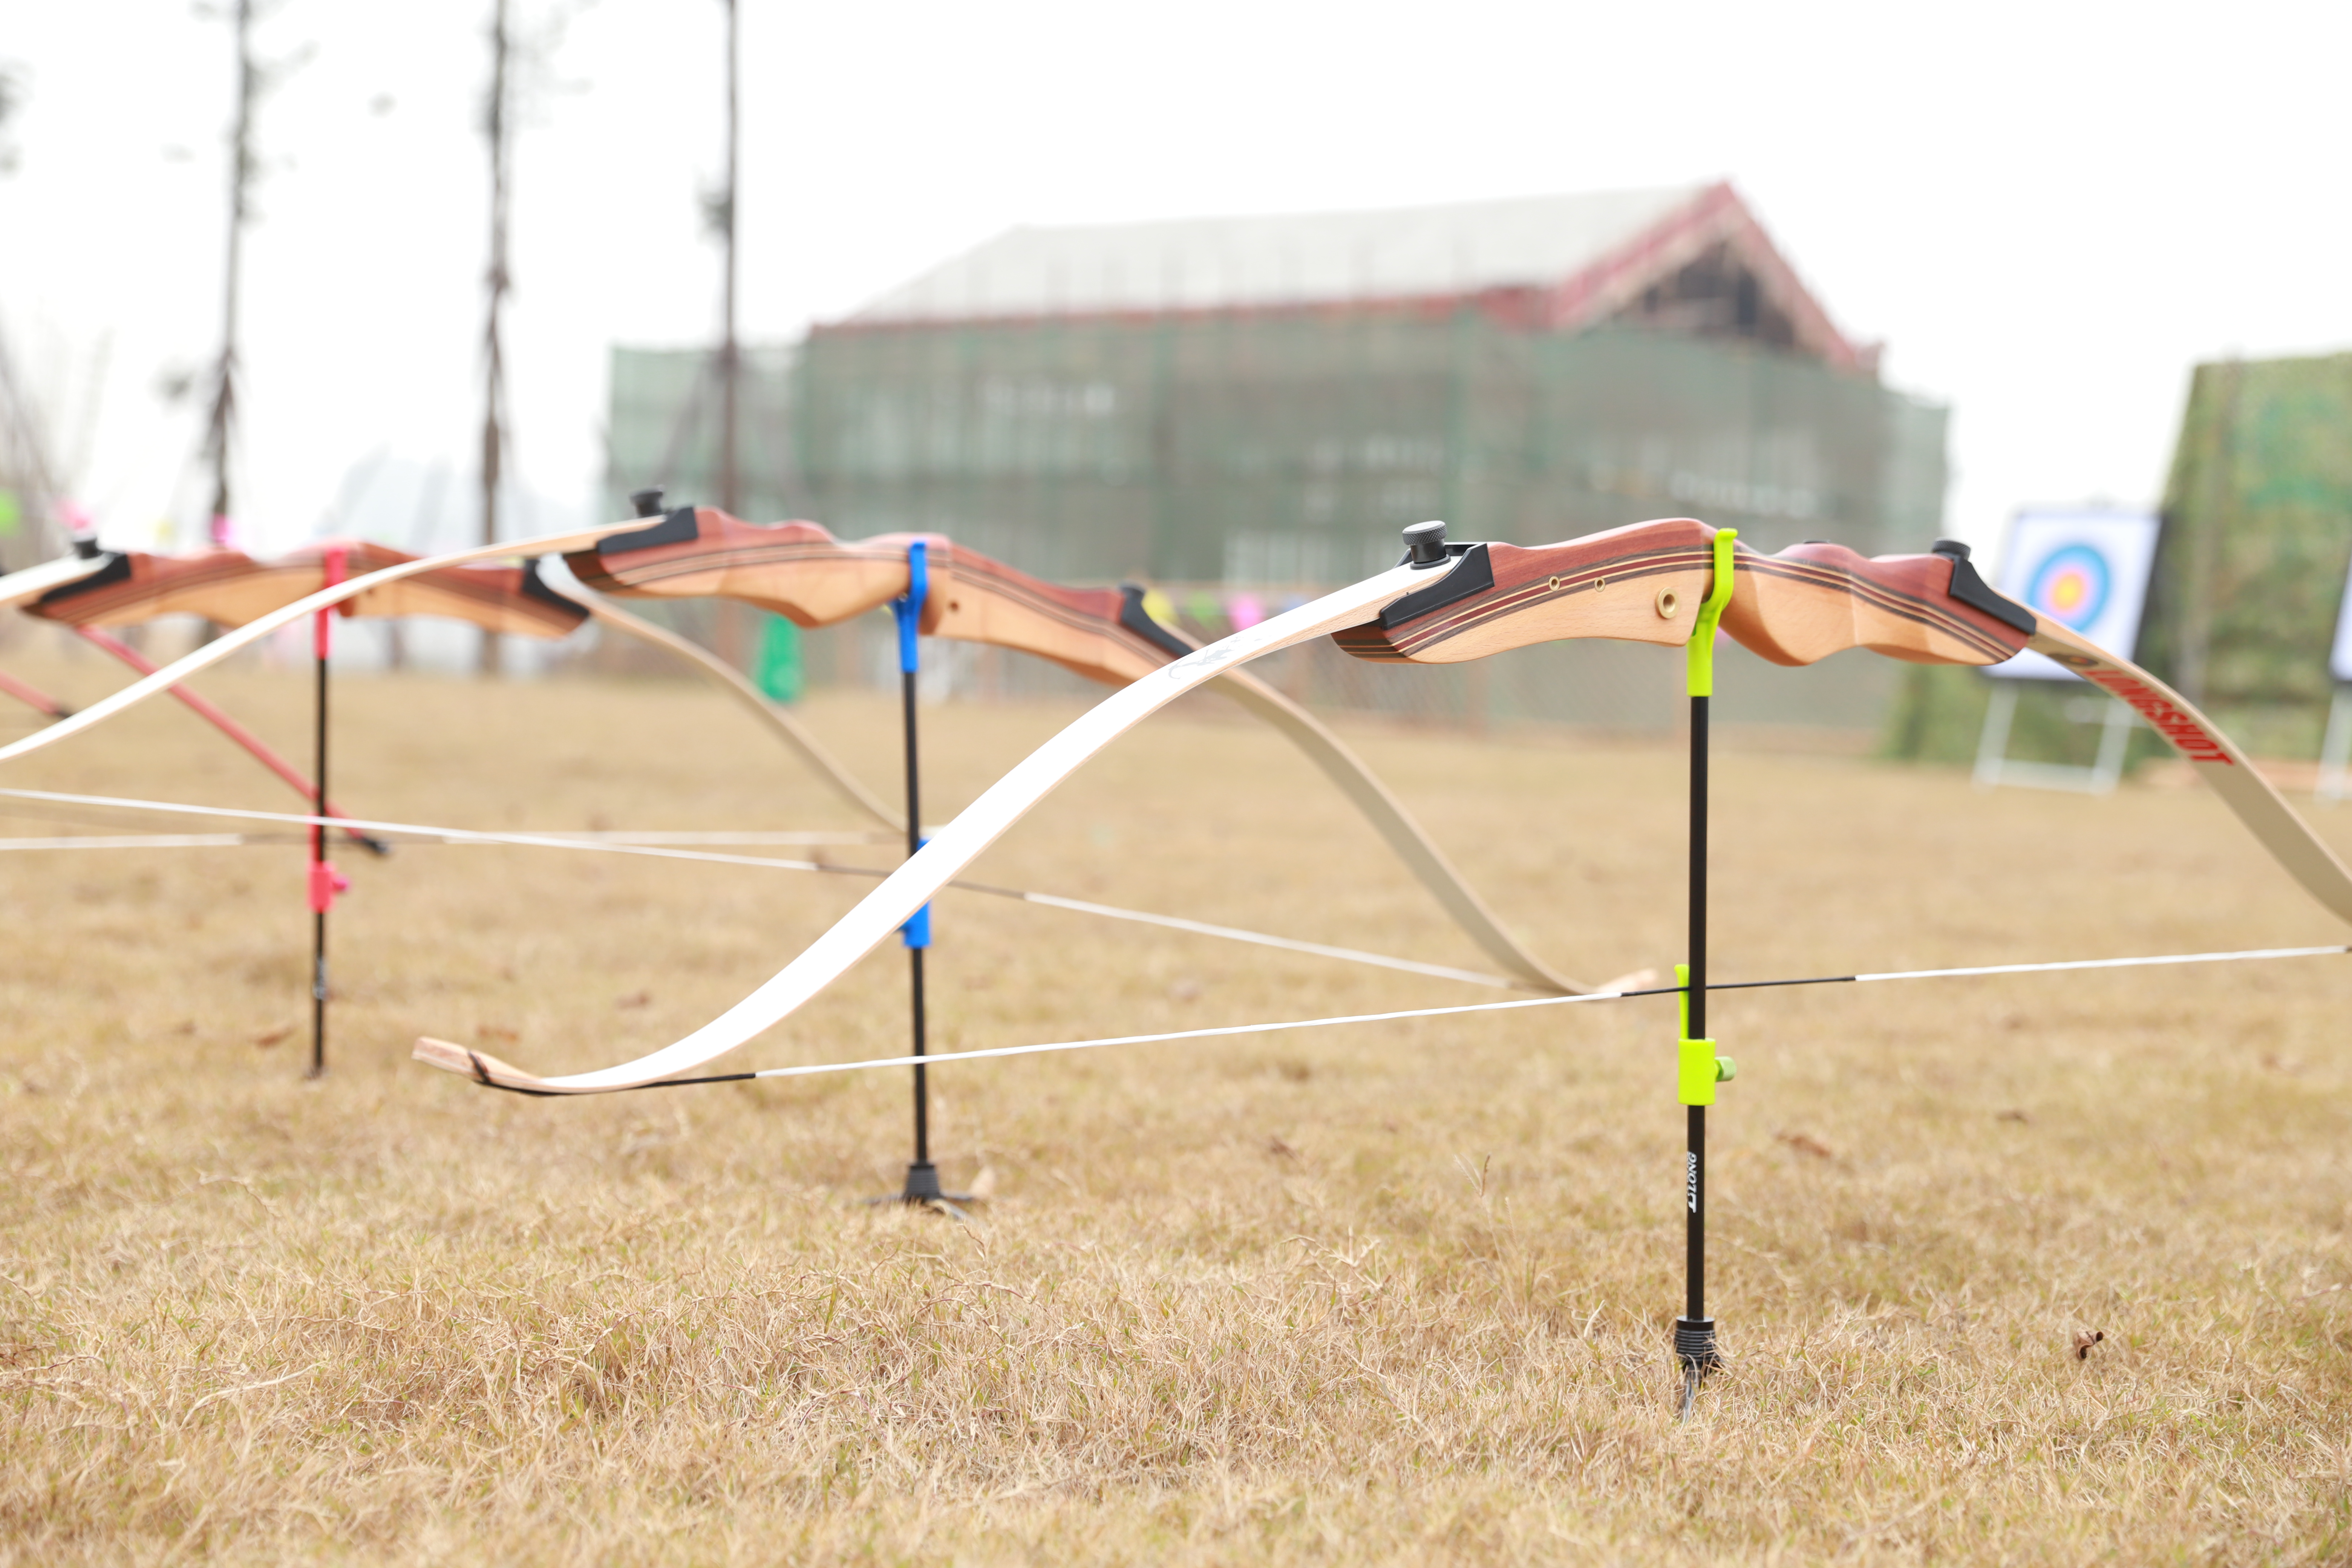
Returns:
<point x="2049" y="211"/>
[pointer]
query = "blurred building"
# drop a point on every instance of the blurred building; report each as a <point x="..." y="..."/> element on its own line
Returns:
<point x="1260" y="403"/>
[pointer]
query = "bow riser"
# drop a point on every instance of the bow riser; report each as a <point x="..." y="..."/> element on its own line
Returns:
<point x="796" y="570"/>
<point x="1641" y="583"/>
<point x="1091" y="632"/>
<point x="230" y="588"/>
<point x="33" y="581"/>
<point x="131" y="588"/>
<point x="800" y="571"/>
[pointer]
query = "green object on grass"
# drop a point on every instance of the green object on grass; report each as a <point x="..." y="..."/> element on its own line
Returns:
<point x="780" y="676"/>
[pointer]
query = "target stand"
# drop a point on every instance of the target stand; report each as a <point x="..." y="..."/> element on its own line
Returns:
<point x="1994" y="768"/>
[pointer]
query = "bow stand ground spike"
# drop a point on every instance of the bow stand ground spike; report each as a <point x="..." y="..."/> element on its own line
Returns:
<point x="922" y="1184"/>
<point x="1698" y="1067"/>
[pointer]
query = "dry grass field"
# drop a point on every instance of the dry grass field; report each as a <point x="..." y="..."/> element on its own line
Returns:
<point x="1392" y="1293"/>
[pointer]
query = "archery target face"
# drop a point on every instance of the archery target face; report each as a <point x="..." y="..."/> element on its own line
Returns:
<point x="2086" y="570"/>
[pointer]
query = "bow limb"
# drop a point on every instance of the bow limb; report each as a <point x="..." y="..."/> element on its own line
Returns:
<point x="253" y="630"/>
<point x="2215" y="759"/>
<point x="33" y="697"/>
<point x="912" y="885"/>
<point x="796" y="570"/>
<point x="252" y="743"/>
<point x="729" y="680"/>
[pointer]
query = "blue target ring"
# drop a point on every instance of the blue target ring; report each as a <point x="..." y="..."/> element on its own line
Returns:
<point x="2071" y="586"/>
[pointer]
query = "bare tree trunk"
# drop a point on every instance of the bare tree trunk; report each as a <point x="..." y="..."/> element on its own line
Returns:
<point x="494" y="392"/>
<point x="731" y="618"/>
<point x="221" y="422"/>
<point x="729" y="352"/>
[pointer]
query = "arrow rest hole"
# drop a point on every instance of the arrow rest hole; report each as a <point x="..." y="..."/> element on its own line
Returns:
<point x="1667" y="603"/>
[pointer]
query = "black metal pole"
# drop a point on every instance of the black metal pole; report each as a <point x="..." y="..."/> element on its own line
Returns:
<point x="319" y="876"/>
<point x="1694" y="1175"/>
<point x="1697" y="1068"/>
<point x="922" y="1177"/>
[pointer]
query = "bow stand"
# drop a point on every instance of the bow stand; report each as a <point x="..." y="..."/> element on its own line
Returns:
<point x="325" y="881"/>
<point x="922" y="1177"/>
<point x="1697" y="1068"/>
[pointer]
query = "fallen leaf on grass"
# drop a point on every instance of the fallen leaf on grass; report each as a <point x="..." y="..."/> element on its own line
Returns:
<point x="2083" y="1344"/>
<point x="983" y="1185"/>
<point x="635" y="999"/>
<point x="1280" y="1150"/>
<point x="1806" y="1143"/>
<point x="499" y="1032"/>
<point x="270" y="1037"/>
<point x="2013" y="1116"/>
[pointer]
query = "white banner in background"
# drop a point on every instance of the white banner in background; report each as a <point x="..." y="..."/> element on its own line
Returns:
<point x="2087" y="570"/>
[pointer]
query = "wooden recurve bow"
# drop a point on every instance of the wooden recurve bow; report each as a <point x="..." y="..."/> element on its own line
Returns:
<point x="800" y="571"/>
<point x="1633" y="582"/>
<point x="232" y="589"/>
<point x="1643" y="584"/>
<point x="253" y="631"/>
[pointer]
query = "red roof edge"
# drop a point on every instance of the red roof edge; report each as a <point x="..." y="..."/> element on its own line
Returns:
<point x="1716" y="215"/>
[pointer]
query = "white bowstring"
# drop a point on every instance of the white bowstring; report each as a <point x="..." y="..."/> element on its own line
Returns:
<point x="2109" y="963"/>
<point x="609" y="847"/>
<point x="994" y="1052"/>
<point x="133" y="841"/>
<point x="936" y="1057"/>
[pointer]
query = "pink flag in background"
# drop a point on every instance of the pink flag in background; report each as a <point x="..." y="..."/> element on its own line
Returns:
<point x="1243" y="611"/>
